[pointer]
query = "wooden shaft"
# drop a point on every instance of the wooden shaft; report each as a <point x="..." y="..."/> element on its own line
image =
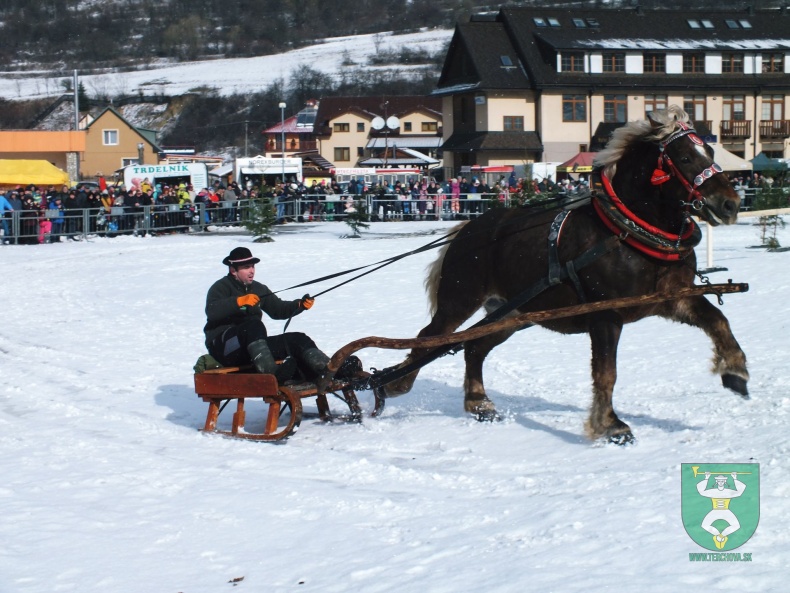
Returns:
<point x="525" y="318"/>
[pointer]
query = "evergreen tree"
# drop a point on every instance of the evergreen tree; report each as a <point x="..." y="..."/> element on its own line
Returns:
<point x="357" y="218"/>
<point x="82" y="97"/>
<point x="259" y="219"/>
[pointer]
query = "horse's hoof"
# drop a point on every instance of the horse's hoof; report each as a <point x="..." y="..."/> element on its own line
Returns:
<point x="487" y="416"/>
<point x="622" y="439"/>
<point x="736" y="384"/>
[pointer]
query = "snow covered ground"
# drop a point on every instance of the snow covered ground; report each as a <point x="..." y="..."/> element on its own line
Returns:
<point x="109" y="486"/>
<point x="228" y="76"/>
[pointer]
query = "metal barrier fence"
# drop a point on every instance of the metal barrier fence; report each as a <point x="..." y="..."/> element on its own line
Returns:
<point x="33" y="226"/>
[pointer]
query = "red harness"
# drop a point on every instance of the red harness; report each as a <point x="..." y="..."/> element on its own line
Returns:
<point x="639" y="233"/>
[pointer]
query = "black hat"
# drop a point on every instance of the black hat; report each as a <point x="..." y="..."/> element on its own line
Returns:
<point x="240" y="256"/>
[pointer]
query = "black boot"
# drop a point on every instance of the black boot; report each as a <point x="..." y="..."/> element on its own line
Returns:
<point x="350" y="368"/>
<point x="262" y="357"/>
<point x="315" y="360"/>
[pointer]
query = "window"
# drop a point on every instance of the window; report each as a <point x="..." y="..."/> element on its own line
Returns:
<point x="614" y="62"/>
<point x="615" y="108"/>
<point x="553" y="22"/>
<point x="693" y="23"/>
<point x="731" y="24"/>
<point x="539" y="22"/>
<point x="655" y="102"/>
<point x="707" y="24"/>
<point x="407" y="126"/>
<point x="773" y="62"/>
<point x="572" y="61"/>
<point x="733" y="107"/>
<point x="360" y="151"/>
<point x="579" y="23"/>
<point x="110" y="137"/>
<point x="732" y="64"/>
<point x="506" y="62"/>
<point x="773" y="107"/>
<point x="574" y="108"/>
<point x="513" y="123"/>
<point x="342" y="154"/>
<point x="653" y="63"/>
<point x="125" y="162"/>
<point x="745" y="24"/>
<point x="341" y="127"/>
<point x="360" y="126"/>
<point x="430" y="126"/>
<point x="694" y="105"/>
<point x="593" y="22"/>
<point x="693" y="63"/>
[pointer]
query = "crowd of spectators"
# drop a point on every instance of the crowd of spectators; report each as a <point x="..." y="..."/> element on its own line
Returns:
<point x="54" y="214"/>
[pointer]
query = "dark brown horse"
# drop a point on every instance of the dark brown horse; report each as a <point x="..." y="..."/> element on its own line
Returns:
<point x="635" y="237"/>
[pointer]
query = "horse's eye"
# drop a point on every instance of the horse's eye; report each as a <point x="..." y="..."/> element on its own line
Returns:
<point x="685" y="159"/>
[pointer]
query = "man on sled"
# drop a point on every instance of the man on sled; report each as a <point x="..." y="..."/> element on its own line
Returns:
<point x="236" y="335"/>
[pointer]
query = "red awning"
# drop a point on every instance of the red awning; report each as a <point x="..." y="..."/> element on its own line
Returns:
<point x="581" y="163"/>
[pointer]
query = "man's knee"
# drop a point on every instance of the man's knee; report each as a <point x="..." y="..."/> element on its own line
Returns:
<point x="299" y="341"/>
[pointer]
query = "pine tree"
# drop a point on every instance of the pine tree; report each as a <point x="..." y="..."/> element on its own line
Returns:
<point x="259" y="219"/>
<point x="357" y="218"/>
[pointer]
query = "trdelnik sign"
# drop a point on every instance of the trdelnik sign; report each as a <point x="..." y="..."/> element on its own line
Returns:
<point x="720" y="504"/>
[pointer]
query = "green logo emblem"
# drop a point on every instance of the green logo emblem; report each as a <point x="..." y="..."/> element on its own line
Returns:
<point x="720" y="503"/>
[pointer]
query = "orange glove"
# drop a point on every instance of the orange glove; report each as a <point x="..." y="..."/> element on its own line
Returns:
<point x="307" y="301"/>
<point x="248" y="300"/>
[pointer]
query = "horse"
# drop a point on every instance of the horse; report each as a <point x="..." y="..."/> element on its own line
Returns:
<point x="634" y="236"/>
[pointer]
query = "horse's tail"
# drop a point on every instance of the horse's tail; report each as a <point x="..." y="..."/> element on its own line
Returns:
<point x="435" y="270"/>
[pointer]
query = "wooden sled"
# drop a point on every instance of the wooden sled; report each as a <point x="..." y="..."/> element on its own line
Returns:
<point x="218" y="387"/>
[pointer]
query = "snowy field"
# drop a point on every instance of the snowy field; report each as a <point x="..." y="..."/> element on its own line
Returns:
<point x="228" y="76"/>
<point x="109" y="486"/>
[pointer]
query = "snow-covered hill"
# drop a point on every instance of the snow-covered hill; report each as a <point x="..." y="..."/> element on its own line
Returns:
<point x="228" y="76"/>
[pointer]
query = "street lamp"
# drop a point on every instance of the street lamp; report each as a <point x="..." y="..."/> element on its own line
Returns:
<point x="282" y="136"/>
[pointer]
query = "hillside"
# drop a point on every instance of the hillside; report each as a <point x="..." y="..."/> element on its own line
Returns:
<point x="90" y="34"/>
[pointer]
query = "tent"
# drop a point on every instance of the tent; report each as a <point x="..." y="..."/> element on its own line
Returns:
<point x="728" y="161"/>
<point x="581" y="163"/>
<point x="765" y="163"/>
<point x="15" y="172"/>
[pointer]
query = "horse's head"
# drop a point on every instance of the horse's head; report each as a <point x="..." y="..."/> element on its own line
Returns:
<point x="687" y="160"/>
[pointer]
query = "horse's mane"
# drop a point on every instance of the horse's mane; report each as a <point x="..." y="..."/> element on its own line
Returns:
<point x="639" y="131"/>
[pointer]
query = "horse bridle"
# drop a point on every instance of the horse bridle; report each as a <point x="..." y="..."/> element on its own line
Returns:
<point x="695" y="199"/>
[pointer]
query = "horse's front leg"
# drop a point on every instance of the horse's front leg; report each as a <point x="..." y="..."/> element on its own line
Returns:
<point x="729" y="361"/>
<point x="605" y="330"/>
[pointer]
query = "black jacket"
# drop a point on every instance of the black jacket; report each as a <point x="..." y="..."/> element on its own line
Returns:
<point x="222" y="310"/>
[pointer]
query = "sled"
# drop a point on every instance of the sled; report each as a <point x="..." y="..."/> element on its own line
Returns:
<point x="283" y="403"/>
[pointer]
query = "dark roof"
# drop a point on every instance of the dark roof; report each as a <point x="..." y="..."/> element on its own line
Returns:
<point x="484" y="57"/>
<point x="610" y="29"/>
<point x="499" y="141"/>
<point x="330" y="108"/>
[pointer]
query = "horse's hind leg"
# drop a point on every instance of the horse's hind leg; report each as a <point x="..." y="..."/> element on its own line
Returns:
<point x="475" y="399"/>
<point x="729" y="361"/>
<point x="605" y="330"/>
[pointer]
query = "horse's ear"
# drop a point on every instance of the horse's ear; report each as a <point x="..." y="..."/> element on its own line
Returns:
<point x="656" y="125"/>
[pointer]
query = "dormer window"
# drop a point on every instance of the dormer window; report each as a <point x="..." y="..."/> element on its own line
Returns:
<point x="614" y="62"/>
<point x="707" y="24"/>
<point x="579" y="23"/>
<point x="694" y="23"/>
<point x="572" y="61"/>
<point x="539" y="22"/>
<point x="745" y="24"/>
<point x="506" y="62"/>
<point x="553" y="22"/>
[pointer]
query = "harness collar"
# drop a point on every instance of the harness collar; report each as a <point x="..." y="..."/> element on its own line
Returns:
<point x="640" y="234"/>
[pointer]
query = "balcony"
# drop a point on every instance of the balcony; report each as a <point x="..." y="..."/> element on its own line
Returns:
<point x="774" y="129"/>
<point x="733" y="128"/>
